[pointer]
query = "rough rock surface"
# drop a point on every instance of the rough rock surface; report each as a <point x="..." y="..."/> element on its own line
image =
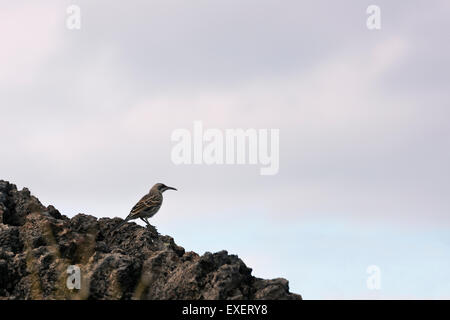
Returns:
<point x="38" y="244"/>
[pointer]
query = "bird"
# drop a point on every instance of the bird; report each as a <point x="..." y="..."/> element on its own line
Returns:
<point x="148" y="206"/>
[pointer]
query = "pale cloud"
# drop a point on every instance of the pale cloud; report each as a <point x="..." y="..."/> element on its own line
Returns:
<point x="341" y="137"/>
<point x="30" y="34"/>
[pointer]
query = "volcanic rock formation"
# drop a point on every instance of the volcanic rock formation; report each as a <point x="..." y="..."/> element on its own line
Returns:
<point x="38" y="244"/>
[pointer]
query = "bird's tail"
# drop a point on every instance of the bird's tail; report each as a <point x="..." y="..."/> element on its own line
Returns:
<point x="120" y="224"/>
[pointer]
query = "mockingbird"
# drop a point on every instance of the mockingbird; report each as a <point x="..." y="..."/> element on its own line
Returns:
<point x="148" y="206"/>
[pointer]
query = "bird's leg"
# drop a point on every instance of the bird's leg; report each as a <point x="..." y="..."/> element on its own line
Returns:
<point x="151" y="227"/>
<point x="146" y="221"/>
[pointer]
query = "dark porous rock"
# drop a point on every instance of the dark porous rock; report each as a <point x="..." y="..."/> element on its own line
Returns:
<point x="39" y="247"/>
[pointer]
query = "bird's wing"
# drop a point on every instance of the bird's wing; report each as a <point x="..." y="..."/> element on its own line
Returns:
<point x="148" y="201"/>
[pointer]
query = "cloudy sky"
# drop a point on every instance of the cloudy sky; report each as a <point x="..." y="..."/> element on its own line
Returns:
<point x="364" y="119"/>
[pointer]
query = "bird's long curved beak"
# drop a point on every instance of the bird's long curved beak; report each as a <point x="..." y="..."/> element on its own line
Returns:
<point x="170" y="188"/>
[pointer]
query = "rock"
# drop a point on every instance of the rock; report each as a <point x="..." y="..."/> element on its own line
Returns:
<point x="38" y="244"/>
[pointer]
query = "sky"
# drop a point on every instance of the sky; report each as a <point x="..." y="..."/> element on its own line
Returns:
<point x="87" y="116"/>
